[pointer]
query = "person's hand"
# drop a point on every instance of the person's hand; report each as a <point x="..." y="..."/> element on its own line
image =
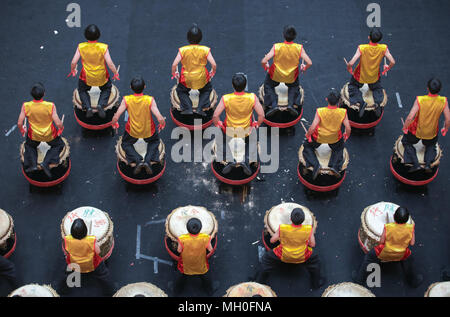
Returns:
<point x="116" y="76"/>
<point x="346" y="136"/>
<point x="444" y="131"/>
<point x="350" y="69"/>
<point x="302" y="68"/>
<point x="23" y="131"/>
<point x="386" y="68"/>
<point x="115" y="125"/>
<point x="114" y="120"/>
<point x="308" y="137"/>
<point x="266" y="67"/>
<point x="60" y="130"/>
<point x="73" y="73"/>
<point x="162" y="124"/>
<point x="405" y="130"/>
<point x="176" y="75"/>
<point x="220" y="125"/>
<point x="212" y="74"/>
<point x="254" y="124"/>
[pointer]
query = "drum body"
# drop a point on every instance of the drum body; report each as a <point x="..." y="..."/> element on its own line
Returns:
<point x="140" y="289"/>
<point x="99" y="224"/>
<point x="282" y="118"/>
<point x="327" y="179"/>
<point x="176" y="226"/>
<point x="400" y="170"/>
<point x="126" y="170"/>
<point x="440" y="289"/>
<point x="369" y="119"/>
<point x="95" y="122"/>
<point x="7" y="234"/>
<point x="34" y="290"/>
<point x="347" y="290"/>
<point x="59" y="171"/>
<point x="187" y="121"/>
<point x="250" y="289"/>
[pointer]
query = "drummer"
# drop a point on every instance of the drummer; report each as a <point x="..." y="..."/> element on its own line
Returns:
<point x="296" y="243"/>
<point x="368" y="71"/>
<point x="422" y="123"/>
<point x="140" y="125"/>
<point x="44" y="126"/>
<point x="94" y="58"/>
<point x="394" y="243"/>
<point x="194" y="75"/>
<point x="8" y="271"/>
<point x="326" y="128"/>
<point x="284" y="69"/>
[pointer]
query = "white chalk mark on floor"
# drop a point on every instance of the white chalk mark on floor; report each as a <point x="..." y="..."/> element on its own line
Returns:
<point x="11" y="130"/>
<point x="155" y="222"/>
<point x="399" y="102"/>
<point x="139" y="255"/>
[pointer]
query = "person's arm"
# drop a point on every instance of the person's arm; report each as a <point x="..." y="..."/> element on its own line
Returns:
<point x="353" y="61"/>
<point x="348" y="128"/>
<point x="275" y="237"/>
<point x="313" y="127"/>
<point x="259" y="111"/>
<point x="267" y="58"/>
<point x="211" y="60"/>
<point x="111" y="65"/>
<point x="391" y="59"/>
<point x="413" y="239"/>
<point x="411" y="116"/>
<point x="209" y="247"/>
<point x="383" y="236"/>
<point x="306" y="58"/>
<point x="56" y="119"/>
<point x="21" y="119"/>
<point x="159" y="117"/>
<point x="220" y="108"/>
<point x="312" y="239"/>
<point x="73" y="64"/>
<point x="180" y="247"/>
<point x="447" y="120"/>
<point x="175" y="63"/>
<point x="119" y="112"/>
<point x="97" y="248"/>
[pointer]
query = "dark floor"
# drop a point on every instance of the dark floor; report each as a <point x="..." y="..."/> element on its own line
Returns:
<point x="144" y="38"/>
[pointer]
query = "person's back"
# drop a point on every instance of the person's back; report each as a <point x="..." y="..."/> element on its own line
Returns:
<point x="293" y="246"/>
<point x="329" y="128"/>
<point x="193" y="256"/>
<point x="194" y="74"/>
<point x="140" y="122"/>
<point x="368" y="69"/>
<point x="239" y="109"/>
<point x="39" y="114"/>
<point x="94" y="71"/>
<point x="285" y="62"/>
<point x="426" y="124"/>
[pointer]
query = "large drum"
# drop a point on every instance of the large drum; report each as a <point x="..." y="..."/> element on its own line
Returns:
<point x="59" y="171"/>
<point x="373" y="219"/>
<point x="126" y="170"/>
<point x="95" y="122"/>
<point x="250" y="289"/>
<point x="282" y="118"/>
<point x="440" y="289"/>
<point x="369" y="119"/>
<point x="347" y="290"/>
<point x="187" y="121"/>
<point x="99" y="224"/>
<point x="7" y="234"/>
<point x="400" y="170"/>
<point x="327" y="180"/>
<point x="176" y="226"/>
<point x="142" y="289"/>
<point x="34" y="290"/>
<point x="281" y="214"/>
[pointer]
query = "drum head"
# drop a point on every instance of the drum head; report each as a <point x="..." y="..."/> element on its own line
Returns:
<point x="98" y="222"/>
<point x="347" y="290"/>
<point x="140" y="289"/>
<point x="441" y="289"/>
<point x="250" y="289"/>
<point x="141" y="147"/>
<point x="42" y="149"/>
<point x="399" y="150"/>
<point x="323" y="154"/>
<point x="281" y="214"/>
<point x="34" y="290"/>
<point x="5" y="226"/>
<point x="367" y="97"/>
<point x="176" y="221"/>
<point x="379" y="214"/>
<point x="94" y="94"/>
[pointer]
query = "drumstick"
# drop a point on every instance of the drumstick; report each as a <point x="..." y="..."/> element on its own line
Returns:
<point x="62" y="118"/>
<point x="306" y="131"/>
<point x="90" y="227"/>
<point x="118" y="68"/>
<point x="345" y="61"/>
<point x="403" y="122"/>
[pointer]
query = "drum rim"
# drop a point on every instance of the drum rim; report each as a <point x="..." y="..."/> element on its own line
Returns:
<point x="141" y="181"/>
<point x="411" y="182"/>
<point x="284" y="125"/>
<point x="9" y="232"/>
<point x="190" y="127"/>
<point x="396" y="150"/>
<point x="332" y="287"/>
<point x="318" y="188"/>
<point x="65" y="153"/>
<point x="369" y="125"/>
<point x="122" y="156"/>
<point x="266" y="217"/>
<point x="46" y="286"/>
<point x="92" y="126"/>
<point x="427" y="293"/>
<point x="346" y="99"/>
<point x="324" y="170"/>
<point x="261" y="95"/>
<point x="94" y="110"/>
<point x="267" y="287"/>
<point x="151" y="286"/>
<point x="235" y="182"/>
<point x="50" y="183"/>
<point x="173" y="101"/>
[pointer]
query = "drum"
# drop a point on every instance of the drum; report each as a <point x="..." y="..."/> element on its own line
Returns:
<point x="369" y="119"/>
<point x="187" y="121"/>
<point x="99" y="225"/>
<point x="282" y="118"/>
<point x="327" y="180"/>
<point x="347" y="290"/>
<point x="126" y="170"/>
<point x="373" y="219"/>
<point x="142" y="289"/>
<point x="281" y="214"/>
<point x="7" y="234"/>
<point x="176" y="226"/>
<point x="400" y="170"/>
<point x="95" y="122"/>
<point x="250" y="289"/>
<point x="440" y="289"/>
<point x="34" y="290"/>
<point x="59" y="171"/>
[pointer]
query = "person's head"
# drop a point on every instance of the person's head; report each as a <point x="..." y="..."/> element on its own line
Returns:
<point x="239" y="82"/>
<point x="194" y="225"/>
<point x="92" y="32"/>
<point x="333" y="97"/>
<point x="375" y="35"/>
<point x="194" y="35"/>
<point x="78" y="229"/>
<point x="289" y="33"/>
<point x="434" y="86"/>
<point x="138" y="84"/>
<point x="297" y="216"/>
<point x="401" y="215"/>
<point x="37" y="91"/>
<point x="256" y="295"/>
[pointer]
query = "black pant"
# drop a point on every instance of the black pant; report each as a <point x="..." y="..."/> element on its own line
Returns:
<point x="271" y="97"/>
<point x="356" y="95"/>
<point x="224" y="152"/>
<point x="183" y="278"/>
<point x="51" y="157"/>
<point x="410" y="156"/>
<point x="203" y="99"/>
<point x="133" y="156"/>
<point x="8" y="271"/>
<point x="336" y="159"/>
<point x="83" y="89"/>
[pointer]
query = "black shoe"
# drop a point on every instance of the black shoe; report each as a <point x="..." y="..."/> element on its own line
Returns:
<point x="201" y="112"/>
<point x="316" y="172"/>
<point x="292" y="111"/>
<point x="247" y="170"/>
<point x="148" y="169"/>
<point x="416" y="281"/>
<point x="101" y="112"/>
<point x="414" y="169"/>
<point x="228" y="168"/>
<point x="428" y="169"/>
<point x="378" y="110"/>
<point x="46" y="170"/>
<point x="186" y="112"/>
<point x="361" y="109"/>
<point x="271" y="111"/>
<point x="89" y="113"/>
<point x="337" y="174"/>
<point x="31" y="169"/>
<point x="138" y="168"/>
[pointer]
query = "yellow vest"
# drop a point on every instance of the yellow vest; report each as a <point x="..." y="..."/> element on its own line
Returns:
<point x="39" y="114"/>
<point x="81" y="252"/>
<point x="285" y="62"/>
<point x="368" y="69"/>
<point x="426" y="123"/>
<point x="140" y="122"/>
<point x="239" y="109"/>
<point x="329" y="128"/>
<point x="94" y="71"/>
<point x="293" y="246"/>
<point x="398" y="237"/>
<point x="194" y="74"/>
<point x="193" y="257"/>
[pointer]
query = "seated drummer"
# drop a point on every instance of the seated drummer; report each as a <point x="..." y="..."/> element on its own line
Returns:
<point x="422" y="123"/>
<point x="94" y="58"/>
<point x="44" y="126"/>
<point x="296" y="243"/>
<point x="194" y="75"/>
<point x="140" y="125"/>
<point x="368" y="71"/>
<point x="326" y="128"/>
<point x="394" y="243"/>
<point x="284" y="69"/>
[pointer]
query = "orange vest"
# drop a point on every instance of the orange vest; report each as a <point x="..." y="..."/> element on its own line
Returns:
<point x="329" y="128"/>
<point x="426" y="123"/>
<point x="39" y="114"/>
<point x="193" y="259"/>
<point x="398" y="237"/>
<point x="140" y="121"/>
<point x="285" y="62"/>
<point x="293" y="246"/>
<point x="239" y="109"/>
<point x="81" y="252"/>
<point x="194" y="74"/>
<point x="94" y="71"/>
<point x="368" y="69"/>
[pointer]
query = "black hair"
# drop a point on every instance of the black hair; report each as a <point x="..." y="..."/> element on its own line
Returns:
<point x="256" y="295"/>
<point x="434" y="85"/>
<point x="37" y="91"/>
<point x="78" y="230"/>
<point x="194" y="35"/>
<point x="375" y="35"/>
<point x="289" y="33"/>
<point x="194" y="225"/>
<point x="92" y="32"/>
<point x="401" y="215"/>
<point x="297" y="216"/>
<point x="139" y="295"/>
<point x="333" y="97"/>
<point x="239" y="82"/>
<point x="138" y="84"/>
